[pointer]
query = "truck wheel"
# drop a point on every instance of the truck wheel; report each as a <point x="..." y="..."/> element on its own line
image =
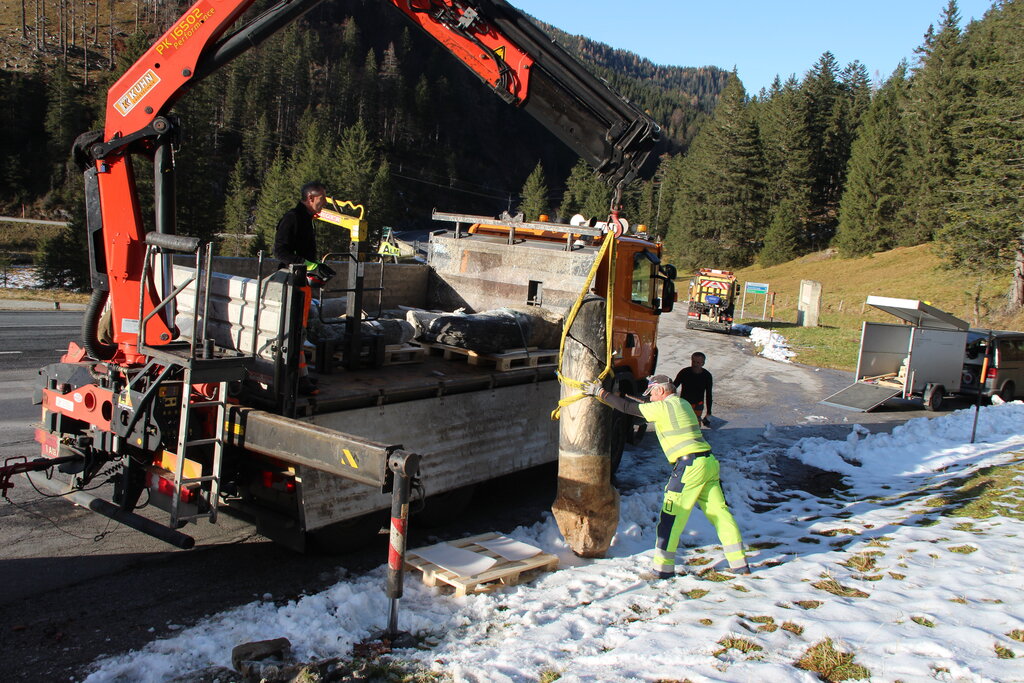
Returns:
<point x="933" y="395"/>
<point x="1008" y="392"/>
<point x="622" y="425"/>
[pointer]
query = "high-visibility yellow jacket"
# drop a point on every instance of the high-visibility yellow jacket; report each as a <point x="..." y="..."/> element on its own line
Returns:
<point x="677" y="427"/>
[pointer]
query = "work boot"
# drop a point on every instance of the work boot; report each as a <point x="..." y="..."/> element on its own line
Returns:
<point x="656" y="575"/>
<point x="307" y="388"/>
<point x="745" y="569"/>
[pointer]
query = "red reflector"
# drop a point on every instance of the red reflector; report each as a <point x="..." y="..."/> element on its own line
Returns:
<point x="268" y="479"/>
<point x="289" y="486"/>
<point x="165" y="486"/>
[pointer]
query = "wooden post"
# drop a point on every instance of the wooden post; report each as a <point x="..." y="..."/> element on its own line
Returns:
<point x="586" y="506"/>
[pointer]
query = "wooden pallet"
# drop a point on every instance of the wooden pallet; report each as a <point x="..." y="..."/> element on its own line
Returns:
<point x="504" y="573"/>
<point x="398" y="354"/>
<point x="536" y="358"/>
<point x="502" y="362"/>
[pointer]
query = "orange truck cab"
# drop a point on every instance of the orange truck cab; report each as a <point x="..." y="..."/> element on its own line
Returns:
<point x="643" y="287"/>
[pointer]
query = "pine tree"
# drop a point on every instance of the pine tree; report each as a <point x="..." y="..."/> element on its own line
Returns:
<point x="789" y="162"/>
<point x="63" y="119"/>
<point x="871" y="212"/>
<point x="784" y="235"/>
<point x="238" y="212"/>
<point x="277" y="195"/>
<point x="937" y="94"/>
<point x="534" y="195"/>
<point x="985" y="231"/>
<point x="381" y="203"/>
<point x="719" y="216"/>
<point x="585" y="194"/>
<point x="827" y="125"/>
<point x="60" y="261"/>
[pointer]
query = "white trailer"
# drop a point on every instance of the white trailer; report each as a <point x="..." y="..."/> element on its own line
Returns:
<point x="922" y="357"/>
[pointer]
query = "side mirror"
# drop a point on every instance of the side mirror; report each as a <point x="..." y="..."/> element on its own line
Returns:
<point x="645" y="254"/>
<point x="668" y="296"/>
<point x="669" y="271"/>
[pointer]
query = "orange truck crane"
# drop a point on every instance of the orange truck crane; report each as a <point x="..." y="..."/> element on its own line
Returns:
<point x="190" y="403"/>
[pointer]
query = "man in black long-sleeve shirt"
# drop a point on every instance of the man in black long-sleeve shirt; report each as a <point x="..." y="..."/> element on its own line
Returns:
<point x="294" y="244"/>
<point x="695" y="384"/>
<point x="295" y="240"/>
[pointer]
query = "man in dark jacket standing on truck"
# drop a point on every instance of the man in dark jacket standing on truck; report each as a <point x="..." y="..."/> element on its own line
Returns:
<point x="695" y="385"/>
<point x="295" y="244"/>
<point x="295" y="240"/>
<point x="695" y="472"/>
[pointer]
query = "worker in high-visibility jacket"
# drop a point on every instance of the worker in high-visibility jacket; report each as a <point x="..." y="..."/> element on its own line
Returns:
<point x="694" y="479"/>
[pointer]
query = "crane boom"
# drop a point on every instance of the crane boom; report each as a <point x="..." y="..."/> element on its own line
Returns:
<point x="490" y="37"/>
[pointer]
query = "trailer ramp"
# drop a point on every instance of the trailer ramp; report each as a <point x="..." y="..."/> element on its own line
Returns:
<point x="862" y="397"/>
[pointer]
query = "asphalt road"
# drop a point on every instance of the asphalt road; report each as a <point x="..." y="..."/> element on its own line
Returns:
<point x="69" y="579"/>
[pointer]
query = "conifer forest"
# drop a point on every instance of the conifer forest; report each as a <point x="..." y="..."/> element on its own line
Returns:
<point x="354" y="97"/>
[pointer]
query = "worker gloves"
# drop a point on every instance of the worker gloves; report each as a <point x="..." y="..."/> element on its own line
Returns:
<point x="318" y="273"/>
<point x="592" y="388"/>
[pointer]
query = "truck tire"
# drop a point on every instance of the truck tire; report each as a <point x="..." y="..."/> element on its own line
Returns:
<point x="623" y="426"/>
<point x="1008" y="392"/>
<point x="933" y="395"/>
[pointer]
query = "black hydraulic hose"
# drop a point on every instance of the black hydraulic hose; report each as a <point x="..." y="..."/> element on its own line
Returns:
<point x="90" y="325"/>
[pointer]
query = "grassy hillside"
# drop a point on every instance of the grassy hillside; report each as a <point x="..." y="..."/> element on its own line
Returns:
<point x="908" y="273"/>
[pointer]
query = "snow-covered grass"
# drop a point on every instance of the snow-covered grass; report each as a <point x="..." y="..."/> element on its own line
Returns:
<point x="885" y="578"/>
<point x="18" y="277"/>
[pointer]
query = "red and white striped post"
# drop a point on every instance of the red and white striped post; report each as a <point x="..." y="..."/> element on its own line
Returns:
<point x="405" y="467"/>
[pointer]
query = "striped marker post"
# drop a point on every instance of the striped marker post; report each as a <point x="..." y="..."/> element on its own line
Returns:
<point x="405" y="467"/>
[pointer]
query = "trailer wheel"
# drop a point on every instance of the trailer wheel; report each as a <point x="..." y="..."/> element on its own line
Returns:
<point x="933" y="395"/>
<point x="1008" y="392"/>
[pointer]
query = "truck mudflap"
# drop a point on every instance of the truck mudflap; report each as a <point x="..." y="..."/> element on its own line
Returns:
<point x="862" y="397"/>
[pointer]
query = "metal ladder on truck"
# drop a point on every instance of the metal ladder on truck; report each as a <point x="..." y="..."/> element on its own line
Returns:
<point x="186" y="444"/>
<point x="197" y="362"/>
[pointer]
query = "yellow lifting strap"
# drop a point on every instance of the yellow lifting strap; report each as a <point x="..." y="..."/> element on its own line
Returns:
<point x="607" y="252"/>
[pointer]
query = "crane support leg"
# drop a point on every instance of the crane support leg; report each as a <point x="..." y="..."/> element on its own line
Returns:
<point x="405" y="467"/>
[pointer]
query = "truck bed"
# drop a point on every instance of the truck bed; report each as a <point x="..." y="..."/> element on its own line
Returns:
<point x="433" y="376"/>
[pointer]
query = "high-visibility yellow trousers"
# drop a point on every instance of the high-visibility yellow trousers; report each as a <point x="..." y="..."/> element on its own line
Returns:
<point x="695" y="481"/>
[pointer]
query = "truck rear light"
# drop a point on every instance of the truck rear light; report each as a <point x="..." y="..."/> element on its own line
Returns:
<point x="278" y="481"/>
<point x="991" y="374"/>
<point x="166" y="487"/>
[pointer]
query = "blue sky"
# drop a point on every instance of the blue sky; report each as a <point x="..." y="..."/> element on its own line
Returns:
<point x="759" y="38"/>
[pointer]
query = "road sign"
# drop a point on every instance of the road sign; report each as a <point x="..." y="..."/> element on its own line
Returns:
<point x="757" y="287"/>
